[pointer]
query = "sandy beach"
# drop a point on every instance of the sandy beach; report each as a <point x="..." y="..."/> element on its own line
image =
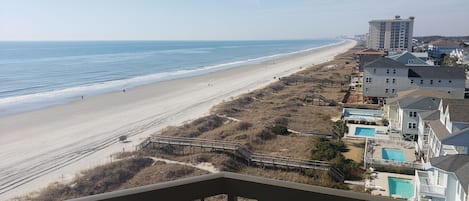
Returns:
<point x="56" y="143"/>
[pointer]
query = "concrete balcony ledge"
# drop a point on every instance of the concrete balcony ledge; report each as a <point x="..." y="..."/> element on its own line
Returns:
<point x="233" y="185"/>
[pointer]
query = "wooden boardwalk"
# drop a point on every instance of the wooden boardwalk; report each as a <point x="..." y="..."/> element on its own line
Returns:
<point x="245" y="154"/>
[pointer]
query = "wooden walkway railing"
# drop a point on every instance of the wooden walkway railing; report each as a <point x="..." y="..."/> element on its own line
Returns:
<point x="246" y="154"/>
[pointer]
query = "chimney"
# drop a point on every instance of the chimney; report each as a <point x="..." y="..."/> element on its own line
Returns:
<point x="397" y="17"/>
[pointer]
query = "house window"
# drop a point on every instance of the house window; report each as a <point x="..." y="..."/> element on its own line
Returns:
<point x="411" y="81"/>
<point x="439" y="81"/>
<point x="449" y="81"/>
<point x="412" y="114"/>
<point x="412" y="125"/>
<point x="449" y="92"/>
<point x="431" y="81"/>
<point x="393" y="71"/>
<point x="366" y="80"/>
<point x="393" y="91"/>
<point x="387" y="71"/>
<point x="374" y="70"/>
<point x="394" y="80"/>
<point x="387" y="80"/>
<point x="366" y="90"/>
<point x="421" y="81"/>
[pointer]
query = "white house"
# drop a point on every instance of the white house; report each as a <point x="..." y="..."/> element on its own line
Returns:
<point x="385" y="77"/>
<point x="423" y="129"/>
<point x="450" y="133"/>
<point x="407" y="121"/>
<point x="446" y="180"/>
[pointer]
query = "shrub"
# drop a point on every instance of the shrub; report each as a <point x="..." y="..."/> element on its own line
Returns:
<point x="265" y="135"/>
<point x="178" y="173"/>
<point x="340" y="128"/>
<point x="394" y="169"/>
<point x="281" y="121"/>
<point x="279" y="130"/>
<point x="242" y="126"/>
<point x="210" y="123"/>
<point x="277" y="87"/>
<point x="98" y="180"/>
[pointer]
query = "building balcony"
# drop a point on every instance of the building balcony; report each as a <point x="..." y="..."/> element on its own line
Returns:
<point x="234" y="186"/>
<point x="427" y="187"/>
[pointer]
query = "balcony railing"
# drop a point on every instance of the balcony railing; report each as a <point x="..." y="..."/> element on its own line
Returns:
<point x="233" y="185"/>
<point x="428" y="187"/>
<point x="435" y="191"/>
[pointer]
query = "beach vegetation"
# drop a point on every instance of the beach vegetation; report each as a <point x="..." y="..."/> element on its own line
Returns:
<point x="101" y="179"/>
<point x="340" y="128"/>
<point x="242" y="126"/>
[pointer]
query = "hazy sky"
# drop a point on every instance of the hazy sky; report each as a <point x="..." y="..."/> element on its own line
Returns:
<point x="219" y="19"/>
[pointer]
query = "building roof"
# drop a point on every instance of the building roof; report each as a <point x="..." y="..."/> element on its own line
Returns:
<point x="419" y="103"/>
<point x="429" y="115"/>
<point x="408" y="58"/>
<point x="371" y="52"/>
<point x="385" y="63"/>
<point x="460" y="138"/>
<point x="458" y="164"/>
<point x="437" y="72"/>
<point x="443" y="42"/>
<point x="459" y="113"/>
<point x="420" y="54"/>
<point x="427" y="92"/>
<point x="459" y="109"/>
<point x="439" y="129"/>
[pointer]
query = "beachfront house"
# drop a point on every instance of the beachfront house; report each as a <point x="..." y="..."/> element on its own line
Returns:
<point x="407" y="120"/>
<point x="446" y="180"/>
<point x="384" y="77"/>
<point x="408" y="58"/>
<point x="423" y="129"/>
<point x="437" y="50"/>
<point x="450" y="133"/>
<point x="368" y="55"/>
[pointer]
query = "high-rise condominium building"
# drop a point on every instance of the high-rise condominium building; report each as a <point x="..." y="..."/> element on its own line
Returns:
<point x="391" y="35"/>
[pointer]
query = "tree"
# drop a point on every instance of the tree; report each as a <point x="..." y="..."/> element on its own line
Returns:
<point x="340" y="128"/>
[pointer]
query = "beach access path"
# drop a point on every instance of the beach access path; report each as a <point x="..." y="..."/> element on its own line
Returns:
<point x="56" y="143"/>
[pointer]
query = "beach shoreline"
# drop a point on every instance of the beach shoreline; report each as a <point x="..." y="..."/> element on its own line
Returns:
<point x="84" y="133"/>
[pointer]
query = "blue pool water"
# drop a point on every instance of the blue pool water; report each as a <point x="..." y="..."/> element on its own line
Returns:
<point x="401" y="187"/>
<point x="368" y="132"/>
<point x="393" y="154"/>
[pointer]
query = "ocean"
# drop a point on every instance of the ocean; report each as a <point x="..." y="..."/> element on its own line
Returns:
<point x="34" y="75"/>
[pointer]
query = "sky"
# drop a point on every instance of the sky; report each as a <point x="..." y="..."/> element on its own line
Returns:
<point x="220" y="19"/>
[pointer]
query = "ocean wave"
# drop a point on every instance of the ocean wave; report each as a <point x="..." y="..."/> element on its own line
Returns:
<point x="44" y="99"/>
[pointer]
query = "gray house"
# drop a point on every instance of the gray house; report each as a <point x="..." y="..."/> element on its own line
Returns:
<point x="384" y="77"/>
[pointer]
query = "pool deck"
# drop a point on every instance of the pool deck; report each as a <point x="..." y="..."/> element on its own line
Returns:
<point x="377" y="153"/>
<point x="380" y="131"/>
<point x="380" y="186"/>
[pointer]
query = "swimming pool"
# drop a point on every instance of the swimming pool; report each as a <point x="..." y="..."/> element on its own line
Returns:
<point x="367" y="132"/>
<point x="393" y="154"/>
<point x="399" y="187"/>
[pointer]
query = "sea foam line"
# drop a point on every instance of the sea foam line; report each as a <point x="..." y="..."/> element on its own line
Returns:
<point x="44" y="99"/>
